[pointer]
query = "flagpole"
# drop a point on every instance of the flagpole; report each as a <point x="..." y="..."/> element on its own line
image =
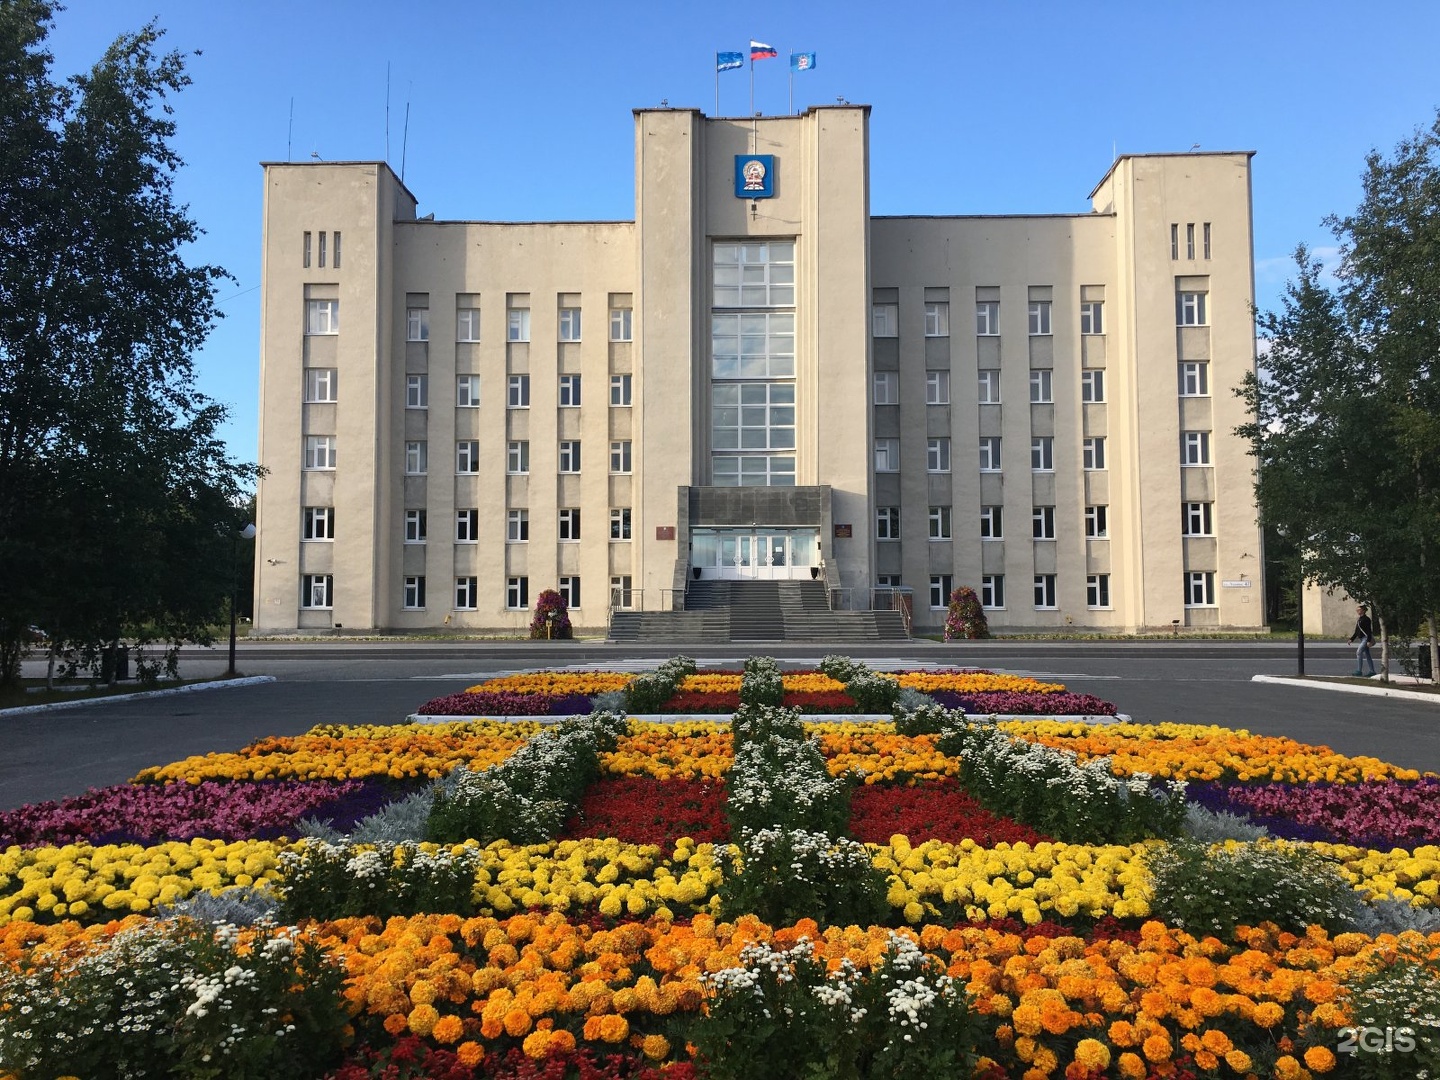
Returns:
<point x="752" y="82"/>
<point x="792" y="91"/>
<point x="717" y="86"/>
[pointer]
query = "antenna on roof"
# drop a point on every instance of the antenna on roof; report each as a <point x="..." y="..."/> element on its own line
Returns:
<point x="290" y="132"/>
<point x="387" y="112"/>
<point x="405" y="138"/>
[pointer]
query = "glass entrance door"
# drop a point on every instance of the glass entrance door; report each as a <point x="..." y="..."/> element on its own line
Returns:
<point x="763" y="553"/>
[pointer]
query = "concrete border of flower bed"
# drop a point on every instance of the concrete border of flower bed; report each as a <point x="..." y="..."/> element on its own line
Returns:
<point x="1348" y="688"/>
<point x="680" y="718"/>
<point x="212" y="684"/>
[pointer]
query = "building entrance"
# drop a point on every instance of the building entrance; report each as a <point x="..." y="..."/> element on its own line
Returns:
<point x="759" y="552"/>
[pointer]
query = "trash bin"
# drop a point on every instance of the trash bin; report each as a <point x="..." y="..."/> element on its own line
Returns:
<point x="115" y="664"/>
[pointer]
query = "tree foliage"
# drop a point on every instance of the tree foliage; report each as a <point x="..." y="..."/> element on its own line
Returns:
<point x="1345" y="413"/>
<point x="118" y="503"/>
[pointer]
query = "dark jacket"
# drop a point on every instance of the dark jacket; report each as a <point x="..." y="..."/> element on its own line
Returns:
<point x="1363" y="630"/>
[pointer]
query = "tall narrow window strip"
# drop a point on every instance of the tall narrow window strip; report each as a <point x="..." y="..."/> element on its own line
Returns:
<point x="1206" y="228"/>
<point x="305" y="260"/>
<point x="335" y="260"/>
<point x="321" y="262"/>
<point x="1190" y="240"/>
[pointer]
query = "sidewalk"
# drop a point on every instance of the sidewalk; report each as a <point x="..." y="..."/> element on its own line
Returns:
<point x="1395" y="688"/>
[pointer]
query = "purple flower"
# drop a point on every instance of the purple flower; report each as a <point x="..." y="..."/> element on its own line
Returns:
<point x="506" y="703"/>
<point x="1375" y="813"/>
<point x="1003" y="702"/>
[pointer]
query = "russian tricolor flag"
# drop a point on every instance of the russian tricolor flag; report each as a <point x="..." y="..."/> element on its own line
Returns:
<point x="760" y="51"/>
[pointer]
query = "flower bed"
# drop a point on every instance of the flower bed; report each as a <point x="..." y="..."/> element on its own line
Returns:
<point x="626" y="941"/>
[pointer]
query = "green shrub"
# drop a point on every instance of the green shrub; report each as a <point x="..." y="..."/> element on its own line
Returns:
<point x="334" y="881"/>
<point x="925" y="719"/>
<point x="176" y="999"/>
<point x="783" y="875"/>
<point x="840" y="668"/>
<point x="1403" y="999"/>
<point x="1212" y="890"/>
<point x="762" y="683"/>
<point x="873" y="693"/>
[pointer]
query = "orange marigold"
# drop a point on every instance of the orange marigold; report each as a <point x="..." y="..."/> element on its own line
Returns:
<point x="395" y="1024"/>
<point x="655" y="1047"/>
<point x="470" y="1054"/>
<point x="447" y="1029"/>
<point x="1131" y="1066"/>
<point x="1268" y="1014"/>
<point x="1157" y="1047"/>
<point x="1239" y="1061"/>
<point x="1320" y="1059"/>
<point x="517" y="1023"/>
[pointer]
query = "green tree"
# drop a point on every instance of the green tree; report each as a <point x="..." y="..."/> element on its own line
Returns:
<point x="117" y="499"/>
<point x="1345" y="412"/>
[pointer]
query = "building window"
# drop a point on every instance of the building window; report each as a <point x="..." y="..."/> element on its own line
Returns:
<point x="467" y="456"/>
<point x="992" y="590"/>
<point x="1174" y="240"/>
<point x="569" y="324"/>
<point x="987" y="318"/>
<point x="1045" y="590"/>
<point x="1190" y="240"/>
<point x="1042" y="523"/>
<point x="319" y="522"/>
<point x="1199" y="588"/>
<point x="990" y="453"/>
<point x="414" y="526"/>
<point x="887" y="455"/>
<point x="417" y="391"/>
<point x="1097" y="591"/>
<point x="992" y="523"/>
<point x="620" y="523"/>
<point x="1092" y="453"/>
<point x="1092" y="386"/>
<point x="320" y="451"/>
<point x="320" y="384"/>
<point x="752" y="470"/>
<point x="1097" y="525"/>
<point x="317" y="591"/>
<point x="622" y="594"/>
<point x="417" y="458"/>
<point x="517" y="593"/>
<point x="887" y="523"/>
<point x="569" y="455"/>
<point x="937" y="455"/>
<point x="569" y="391"/>
<point x="570" y="523"/>
<point x="754" y="274"/>
<point x="1042" y="453"/>
<point x="885" y="320"/>
<point x="937" y="388"/>
<point x="517" y="526"/>
<point x="887" y="581"/>
<point x="336" y="261"/>
<point x="1205" y="227"/>
<point x="988" y="384"/>
<point x="1196" y="519"/>
<point x="517" y="324"/>
<point x="322" y="317"/>
<point x="620" y="390"/>
<point x="517" y="456"/>
<point x="517" y="392"/>
<point x="1092" y="317"/>
<point x="467" y="594"/>
<point x="467" y="525"/>
<point x="570" y="591"/>
<point x="752" y="345"/>
<point x="939" y="523"/>
<point x="1194" y="379"/>
<point x="467" y="391"/>
<point x="1039" y="318"/>
<point x="1190" y="309"/>
<point x="887" y="388"/>
<point x="621" y="324"/>
<point x="322" y="250"/>
<point x="1194" y="448"/>
<point x="414" y="593"/>
<point x="941" y="586"/>
<point x="417" y="324"/>
<point x="467" y="324"/>
<point x="937" y="320"/>
<point x="305" y="259"/>
<point x="1041" y="386"/>
<point x="620" y="457"/>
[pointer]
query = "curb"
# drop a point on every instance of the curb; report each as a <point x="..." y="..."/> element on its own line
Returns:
<point x="216" y="684"/>
<point x="1347" y="688"/>
<point x="682" y="718"/>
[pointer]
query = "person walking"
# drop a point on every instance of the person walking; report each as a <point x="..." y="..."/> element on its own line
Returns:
<point x="1364" y="634"/>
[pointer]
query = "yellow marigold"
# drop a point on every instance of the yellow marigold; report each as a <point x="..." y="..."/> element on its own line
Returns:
<point x="1157" y="1047"/>
<point x="1287" y="1068"/>
<point x="517" y="1023"/>
<point x="447" y="1029"/>
<point x="470" y="1054"/>
<point x="422" y="1019"/>
<point x="423" y="993"/>
<point x="1320" y="1059"/>
<point x="1268" y="1014"/>
<point x="1239" y="1061"/>
<point x="655" y="1047"/>
<point x="1216" y="1041"/>
<point x="1131" y="1066"/>
<point x="1093" y="1054"/>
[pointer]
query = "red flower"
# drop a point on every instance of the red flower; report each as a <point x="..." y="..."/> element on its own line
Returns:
<point x="646" y="810"/>
<point x="931" y="810"/>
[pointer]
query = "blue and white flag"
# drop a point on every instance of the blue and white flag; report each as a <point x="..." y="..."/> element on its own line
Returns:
<point x="802" y="61"/>
<point x="726" y="61"/>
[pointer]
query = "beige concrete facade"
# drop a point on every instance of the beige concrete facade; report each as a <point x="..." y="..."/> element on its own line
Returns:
<point x="592" y="376"/>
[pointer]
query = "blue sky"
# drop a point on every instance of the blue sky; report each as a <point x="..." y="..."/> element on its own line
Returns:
<point x="523" y="112"/>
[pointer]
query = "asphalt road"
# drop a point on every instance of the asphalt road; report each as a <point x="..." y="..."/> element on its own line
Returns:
<point x="52" y="754"/>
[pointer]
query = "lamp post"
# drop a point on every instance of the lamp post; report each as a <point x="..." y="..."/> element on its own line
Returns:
<point x="247" y="533"/>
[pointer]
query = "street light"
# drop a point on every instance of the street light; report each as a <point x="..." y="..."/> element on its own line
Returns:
<point x="247" y="533"/>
